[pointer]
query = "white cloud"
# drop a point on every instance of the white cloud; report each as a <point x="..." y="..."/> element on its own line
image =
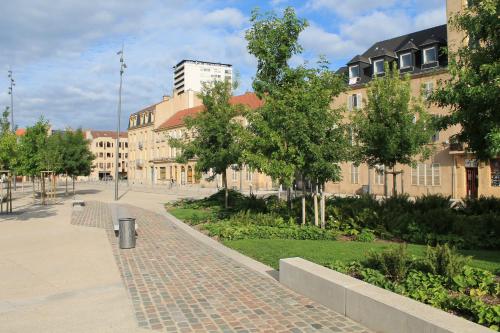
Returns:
<point x="228" y="16"/>
<point x="430" y="18"/>
<point x="349" y="7"/>
<point x="325" y="43"/>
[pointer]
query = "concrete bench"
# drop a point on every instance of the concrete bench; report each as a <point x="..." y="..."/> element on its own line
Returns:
<point x="117" y="212"/>
<point x="78" y="202"/>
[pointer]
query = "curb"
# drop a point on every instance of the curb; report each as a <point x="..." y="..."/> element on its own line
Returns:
<point x="253" y="264"/>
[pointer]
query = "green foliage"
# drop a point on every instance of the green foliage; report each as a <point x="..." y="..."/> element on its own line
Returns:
<point x="213" y="135"/>
<point x="386" y="130"/>
<point x="8" y="143"/>
<point x="32" y="148"/>
<point x="472" y="91"/>
<point x="476" y="310"/>
<point x="394" y="263"/>
<point x="476" y="282"/>
<point x="295" y="132"/>
<point x="366" y="235"/>
<point x="445" y="261"/>
<point x="425" y="287"/>
<point x="76" y="155"/>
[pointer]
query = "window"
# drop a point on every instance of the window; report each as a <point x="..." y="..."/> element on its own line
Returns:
<point x="249" y="174"/>
<point x="495" y="172"/>
<point x="351" y="136"/>
<point x="430" y="55"/>
<point x="126" y="144"/>
<point x="163" y="173"/>
<point x="378" y="66"/>
<point x="405" y="60"/>
<point x="354" y="174"/>
<point x="235" y="175"/>
<point x="353" y="71"/>
<point x="426" y="174"/>
<point x="354" y="102"/>
<point x="435" y="137"/>
<point x="379" y="175"/>
<point x="101" y="154"/>
<point x="428" y="88"/>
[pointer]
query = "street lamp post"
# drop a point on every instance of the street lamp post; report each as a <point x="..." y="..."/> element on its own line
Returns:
<point x="117" y="150"/>
<point x="11" y="93"/>
<point x="12" y="127"/>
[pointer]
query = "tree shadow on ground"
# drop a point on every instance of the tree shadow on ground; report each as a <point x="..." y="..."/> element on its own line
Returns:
<point x="29" y="212"/>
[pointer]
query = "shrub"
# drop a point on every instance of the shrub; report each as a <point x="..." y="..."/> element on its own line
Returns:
<point x="425" y="287"/>
<point x="475" y="281"/>
<point x="432" y="201"/>
<point x="480" y="206"/>
<point x="366" y="235"/>
<point x="394" y="263"/>
<point x="476" y="310"/>
<point x="445" y="261"/>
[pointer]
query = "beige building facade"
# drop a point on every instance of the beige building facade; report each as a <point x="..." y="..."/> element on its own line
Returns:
<point x="103" y="146"/>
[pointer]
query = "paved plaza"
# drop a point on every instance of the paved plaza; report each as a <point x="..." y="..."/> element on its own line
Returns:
<point x="170" y="282"/>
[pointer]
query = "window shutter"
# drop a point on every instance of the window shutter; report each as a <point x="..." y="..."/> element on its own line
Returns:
<point x="359" y="101"/>
<point x="428" y="174"/>
<point x="349" y="102"/>
<point x="421" y="174"/>
<point x="414" y="178"/>
<point x="436" y="174"/>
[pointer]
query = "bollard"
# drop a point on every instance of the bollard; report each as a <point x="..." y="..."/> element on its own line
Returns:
<point x="126" y="232"/>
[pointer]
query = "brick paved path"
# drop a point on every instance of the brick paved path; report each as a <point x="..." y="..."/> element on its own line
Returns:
<point x="179" y="285"/>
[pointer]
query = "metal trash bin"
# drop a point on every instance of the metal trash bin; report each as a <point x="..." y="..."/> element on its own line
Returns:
<point x="126" y="232"/>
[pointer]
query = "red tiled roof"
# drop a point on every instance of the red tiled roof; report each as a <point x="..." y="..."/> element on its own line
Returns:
<point x="20" y="131"/>
<point x="109" y="134"/>
<point x="249" y="99"/>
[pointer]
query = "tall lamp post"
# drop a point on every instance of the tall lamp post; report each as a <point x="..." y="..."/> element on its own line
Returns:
<point x="11" y="93"/>
<point x="12" y="127"/>
<point x="117" y="150"/>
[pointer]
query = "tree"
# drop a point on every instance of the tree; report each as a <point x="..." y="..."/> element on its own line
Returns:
<point x="393" y="127"/>
<point x="8" y="143"/>
<point x="213" y="136"/>
<point x="295" y="132"/>
<point x="32" y="149"/>
<point x="473" y="90"/>
<point x="77" y="157"/>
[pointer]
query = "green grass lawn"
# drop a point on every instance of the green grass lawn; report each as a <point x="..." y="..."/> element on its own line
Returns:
<point x="189" y="213"/>
<point x="270" y="251"/>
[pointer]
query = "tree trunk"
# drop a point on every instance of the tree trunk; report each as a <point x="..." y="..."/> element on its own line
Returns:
<point x="315" y="198"/>
<point x="386" y="189"/>
<point x="303" y="202"/>
<point x="394" y="178"/>
<point x="66" y="184"/>
<point x="323" y="208"/>
<point x="289" y="198"/>
<point x="226" y="192"/>
<point x="73" y="178"/>
<point x="33" y="183"/>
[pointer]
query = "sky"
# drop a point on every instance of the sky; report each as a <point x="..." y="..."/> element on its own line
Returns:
<point x="63" y="52"/>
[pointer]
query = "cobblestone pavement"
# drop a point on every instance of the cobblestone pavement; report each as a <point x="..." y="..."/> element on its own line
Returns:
<point x="179" y="285"/>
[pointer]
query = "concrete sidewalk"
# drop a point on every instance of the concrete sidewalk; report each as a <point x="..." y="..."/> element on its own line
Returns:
<point x="56" y="277"/>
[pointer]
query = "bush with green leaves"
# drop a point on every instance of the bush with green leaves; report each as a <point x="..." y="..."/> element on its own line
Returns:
<point x="394" y="262"/>
<point x="445" y="261"/>
<point x="366" y="235"/>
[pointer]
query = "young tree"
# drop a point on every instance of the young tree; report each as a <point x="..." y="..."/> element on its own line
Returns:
<point x="8" y="143"/>
<point x="31" y="150"/>
<point x="473" y="90"/>
<point x="77" y="157"/>
<point x="215" y="132"/>
<point x="393" y="127"/>
<point x="295" y="132"/>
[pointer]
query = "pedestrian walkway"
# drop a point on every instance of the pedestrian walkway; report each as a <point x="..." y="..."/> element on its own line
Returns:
<point x="177" y="284"/>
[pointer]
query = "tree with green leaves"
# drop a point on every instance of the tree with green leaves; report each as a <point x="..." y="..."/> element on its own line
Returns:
<point x="295" y="133"/>
<point x="393" y="127"/>
<point x="213" y="135"/>
<point x="473" y="89"/>
<point x="76" y="155"/>
<point x="8" y="143"/>
<point x="32" y="149"/>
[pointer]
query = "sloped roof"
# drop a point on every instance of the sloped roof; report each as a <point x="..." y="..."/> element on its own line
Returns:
<point x="249" y="99"/>
<point x="20" y="131"/>
<point x="359" y="58"/>
<point x="107" y="134"/>
<point x="408" y="46"/>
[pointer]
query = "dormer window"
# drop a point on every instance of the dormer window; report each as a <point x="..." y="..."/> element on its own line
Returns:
<point x="378" y="66"/>
<point x="353" y="71"/>
<point x="405" y="60"/>
<point x="430" y="55"/>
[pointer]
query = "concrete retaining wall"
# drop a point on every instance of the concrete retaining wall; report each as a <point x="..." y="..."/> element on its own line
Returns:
<point x="376" y="308"/>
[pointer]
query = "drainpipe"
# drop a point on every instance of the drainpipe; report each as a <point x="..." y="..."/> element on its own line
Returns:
<point x="453" y="175"/>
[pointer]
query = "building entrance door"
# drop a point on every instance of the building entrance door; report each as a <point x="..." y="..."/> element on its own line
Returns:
<point x="472" y="182"/>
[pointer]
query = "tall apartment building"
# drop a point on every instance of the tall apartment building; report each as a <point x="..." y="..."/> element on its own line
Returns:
<point x="191" y="74"/>
<point x="102" y="145"/>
